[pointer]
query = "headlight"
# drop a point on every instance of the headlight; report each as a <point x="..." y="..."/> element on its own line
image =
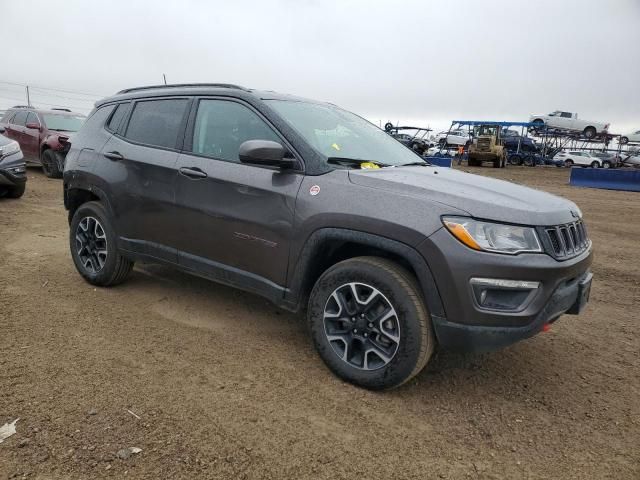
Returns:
<point x="9" y="148"/>
<point x="493" y="237"/>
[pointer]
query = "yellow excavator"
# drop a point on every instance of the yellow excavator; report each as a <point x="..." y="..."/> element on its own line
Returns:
<point x="486" y="146"/>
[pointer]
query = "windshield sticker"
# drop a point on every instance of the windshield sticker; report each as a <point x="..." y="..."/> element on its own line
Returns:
<point x="336" y="146"/>
<point x="365" y="165"/>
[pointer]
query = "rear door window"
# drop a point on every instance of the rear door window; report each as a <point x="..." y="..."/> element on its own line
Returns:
<point x="20" y="119"/>
<point x="157" y="122"/>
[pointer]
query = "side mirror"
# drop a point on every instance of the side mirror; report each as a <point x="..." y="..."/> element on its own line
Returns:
<point x="34" y="125"/>
<point x="265" y="153"/>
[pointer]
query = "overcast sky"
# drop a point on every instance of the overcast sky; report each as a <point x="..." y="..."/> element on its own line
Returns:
<point x="414" y="61"/>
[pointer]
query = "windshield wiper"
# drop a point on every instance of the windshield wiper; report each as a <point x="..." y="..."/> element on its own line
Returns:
<point x="354" y="161"/>
<point x="423" y="163"/>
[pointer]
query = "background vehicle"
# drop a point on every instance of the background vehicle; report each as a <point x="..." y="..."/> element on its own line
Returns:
<point x="631" y="161"/>
<point x="607" y="159"/>
<point x="486" y="146"/>
<point x="13" y="175"/>
<point x="417" y="142"/>
<point x="454" y="137"/>
<point x="43" y="135"/>
<point x="569" y="121"/>
<point x="582" y="159"/>
<point x="311" y="206"/>
<point x="512" y="140"/>
<point x="633" y="137"/>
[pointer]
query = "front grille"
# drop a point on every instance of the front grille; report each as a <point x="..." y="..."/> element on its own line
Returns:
<point x="484" y="144"/>
<point x="566" y="241"/>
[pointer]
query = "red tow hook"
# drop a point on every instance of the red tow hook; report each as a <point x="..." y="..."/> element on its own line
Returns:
<point x="546" y="327"/>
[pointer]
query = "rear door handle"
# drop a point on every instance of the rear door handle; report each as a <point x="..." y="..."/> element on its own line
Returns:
<point x="193" y="172"/>
<point x="115" y="156"/>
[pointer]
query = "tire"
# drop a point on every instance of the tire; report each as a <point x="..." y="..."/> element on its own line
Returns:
<point x="590" y="132"/>
<point x="99" y="263"/>
<point x="538" y="127"/>
<point x="595" y="164"/>
<point x="515" y="159"/>
<point x="606" y="164"/>
<point x="568" y="163"/>
<point x="529" y="161"/>
<point x="17" y="191"/>
<point x="376" y="354"/>
<point x="50" y="164"/>
<point x="624" y="140"/>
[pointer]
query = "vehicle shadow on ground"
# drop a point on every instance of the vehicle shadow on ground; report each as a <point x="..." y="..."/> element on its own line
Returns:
<point x="485" y="372"/>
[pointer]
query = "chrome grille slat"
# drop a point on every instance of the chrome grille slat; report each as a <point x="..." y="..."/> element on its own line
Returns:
<point x="566" y="241"/>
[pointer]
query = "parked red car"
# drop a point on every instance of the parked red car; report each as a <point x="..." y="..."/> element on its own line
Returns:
<point x="43" y="135"/>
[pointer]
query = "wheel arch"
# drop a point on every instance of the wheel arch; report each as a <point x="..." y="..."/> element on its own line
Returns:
<point x="76" y="196"/>
<point x="327" y="246"/>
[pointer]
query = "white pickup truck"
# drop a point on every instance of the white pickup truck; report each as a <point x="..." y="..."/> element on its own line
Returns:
<point x="569" y="121"/>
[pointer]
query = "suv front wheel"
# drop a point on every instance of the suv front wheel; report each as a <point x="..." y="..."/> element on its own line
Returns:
<point x="93" y="247"/>
<point x="369" y="323"/>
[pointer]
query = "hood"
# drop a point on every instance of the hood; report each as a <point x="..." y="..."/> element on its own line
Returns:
<point x="481" y="197"/>
<point x="4" y="140"/>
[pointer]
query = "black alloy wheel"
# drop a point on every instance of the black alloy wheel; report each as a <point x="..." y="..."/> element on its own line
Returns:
<point x="362" y="326"/>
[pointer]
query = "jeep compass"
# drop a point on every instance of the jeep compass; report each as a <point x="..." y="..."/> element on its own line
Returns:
<point x="318" y="210"/>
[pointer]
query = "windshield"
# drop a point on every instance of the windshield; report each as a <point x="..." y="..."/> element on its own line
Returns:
<point x="334" y="132"/>
<point x="482" y="130"/>
<point x="68" y="123"/>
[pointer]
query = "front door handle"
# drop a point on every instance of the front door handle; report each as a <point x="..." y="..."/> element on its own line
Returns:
<point x="193" y="172"/>
<point x="115" y="156"/>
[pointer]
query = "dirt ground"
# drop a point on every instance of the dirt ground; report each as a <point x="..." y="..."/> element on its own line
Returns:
<point x="214" y="383"/>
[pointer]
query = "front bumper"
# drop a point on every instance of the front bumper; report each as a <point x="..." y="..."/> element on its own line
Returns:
<point x="10" y="178"/>
<point x="567" y="298"/>
<point x="468" y="326"/>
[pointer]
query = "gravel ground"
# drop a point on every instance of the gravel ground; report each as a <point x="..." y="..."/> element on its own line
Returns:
<point x="214" y="383"/>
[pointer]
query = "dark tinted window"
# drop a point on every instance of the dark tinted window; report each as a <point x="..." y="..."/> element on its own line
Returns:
<point x="20" y="118"/>
<point x="222" y="126"/>
<point x="157" y="122"/>
<point x="566" y="115"/>
<point x="118" y="115"/>
<point x="32" y="118"/>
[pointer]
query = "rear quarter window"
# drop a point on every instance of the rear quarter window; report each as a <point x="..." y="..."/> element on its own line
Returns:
<point x="116" y="119"/>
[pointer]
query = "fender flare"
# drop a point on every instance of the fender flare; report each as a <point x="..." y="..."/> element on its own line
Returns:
<point x="104" y="199"/>
<point x="299" y="280"/>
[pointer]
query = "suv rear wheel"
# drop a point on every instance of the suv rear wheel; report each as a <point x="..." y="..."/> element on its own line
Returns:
<point x="369" y="323"/>
<point x="93" y="247"/>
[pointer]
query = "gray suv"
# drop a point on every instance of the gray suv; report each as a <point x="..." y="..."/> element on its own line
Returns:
<point x="317" y="209"/>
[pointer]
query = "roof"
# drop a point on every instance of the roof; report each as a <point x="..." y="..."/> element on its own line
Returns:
<point x="222" y="89"/>
<point x="53" y="111"/>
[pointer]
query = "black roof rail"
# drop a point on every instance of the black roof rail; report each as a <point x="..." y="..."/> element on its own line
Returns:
<point x="62" y="109"/>
<point x="179" y="85"/>
<point x="23" y="106"/>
